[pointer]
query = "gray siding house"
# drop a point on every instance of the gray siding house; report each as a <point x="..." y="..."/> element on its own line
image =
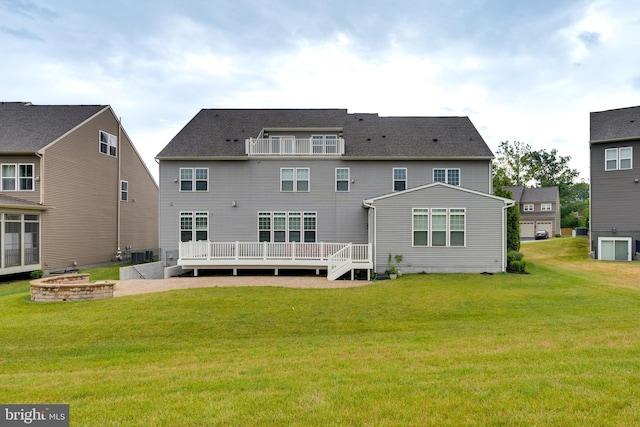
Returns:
<point x="73" y="192"/>
<point x="539" y="210"/>
<point x="327" y="190"/>
<point x="615" y="184"/>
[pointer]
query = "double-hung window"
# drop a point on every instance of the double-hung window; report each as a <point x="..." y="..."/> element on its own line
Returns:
<point x="448" y="176"/>
<point x="420" y="227"/>
<point x="438" y="227"/>
<point x="108" y="144"/>
<point x="324" y="144"/>
<point x="618" y="158"/>
<point x="17" y="177"/>
<point x="456" y="227"/>
<point x="279" y="226"/>
<point x="545" y="207"/>
<point x="399" y="179"/>
<point x="527" y="208"/>
<point x="194" y="226"/>
<point x="294" y="179"/>
<point x="287" y="226"/>
<point x="342" y="179"/>
<point x="194" y="179"/>
<point x="124" y="191"/>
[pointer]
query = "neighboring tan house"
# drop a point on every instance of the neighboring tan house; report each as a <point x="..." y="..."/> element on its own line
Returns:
<point x="615" y="184"/>
<point x="539" y="210"/>
<point x="327" y="190"/>
<point x="74" y="190"/>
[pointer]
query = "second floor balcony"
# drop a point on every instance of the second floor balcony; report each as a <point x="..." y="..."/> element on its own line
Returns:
<point x="321" y="145"/>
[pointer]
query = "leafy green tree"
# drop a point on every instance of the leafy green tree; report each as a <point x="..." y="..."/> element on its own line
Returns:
<point x="548" y="169"/>
<point x="575" y="205"/>
<point x="512" y="163"/>
<point x="513" y="221"/>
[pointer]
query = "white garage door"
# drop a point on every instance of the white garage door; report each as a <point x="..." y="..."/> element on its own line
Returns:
<point x="527" y="229"/>
<point x="546" y="226"/>
<point x="612" y="249"/>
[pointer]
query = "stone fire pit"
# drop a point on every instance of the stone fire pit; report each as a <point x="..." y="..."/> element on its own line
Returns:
<point x="70" y="287"/>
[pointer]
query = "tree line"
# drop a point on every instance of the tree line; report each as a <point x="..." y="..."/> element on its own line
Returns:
<point x="517" y="164"/>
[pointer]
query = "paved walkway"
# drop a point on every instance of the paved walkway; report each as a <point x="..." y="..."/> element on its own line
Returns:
<point x="133" y="287"/>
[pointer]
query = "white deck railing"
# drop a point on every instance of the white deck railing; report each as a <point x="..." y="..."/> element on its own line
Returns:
<point x="293" y="147"/>
<point x="268" y="251"/>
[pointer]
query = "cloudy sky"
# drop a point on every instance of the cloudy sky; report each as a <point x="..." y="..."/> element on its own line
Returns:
<point x="525" y="70"/>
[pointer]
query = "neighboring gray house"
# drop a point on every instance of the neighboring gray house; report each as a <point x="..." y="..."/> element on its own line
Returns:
<point x="73" y="189"/>
<point x="615" y="184"/>
<point x="539" y="210"/>
<point x="328" y="190"/>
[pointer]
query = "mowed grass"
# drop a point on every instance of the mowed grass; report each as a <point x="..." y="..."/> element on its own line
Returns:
<point x="558" y="346"/>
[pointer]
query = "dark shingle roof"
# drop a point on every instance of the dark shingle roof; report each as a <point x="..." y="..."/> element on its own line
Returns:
<point x="615" y="124"/>
<point x="27" y="128"/>
<point x="533" y="195"/>
<point x="222" y="133"/>
<point x="16" y="202"/>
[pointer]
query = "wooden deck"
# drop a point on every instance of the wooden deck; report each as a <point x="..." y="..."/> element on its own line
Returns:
<point x="337" y="258"/>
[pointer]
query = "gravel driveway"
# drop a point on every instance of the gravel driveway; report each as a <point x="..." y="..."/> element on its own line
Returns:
<point x="133" y="287"/>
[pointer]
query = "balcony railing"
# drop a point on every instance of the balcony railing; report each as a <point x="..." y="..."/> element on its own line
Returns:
<point x="294" y="147"/>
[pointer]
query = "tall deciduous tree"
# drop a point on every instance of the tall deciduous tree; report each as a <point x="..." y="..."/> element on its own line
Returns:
<point x="512" y="163"/>
<point x="548" y="169"/>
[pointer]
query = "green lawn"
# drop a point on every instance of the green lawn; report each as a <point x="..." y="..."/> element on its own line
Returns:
<point x="559" y="346"/>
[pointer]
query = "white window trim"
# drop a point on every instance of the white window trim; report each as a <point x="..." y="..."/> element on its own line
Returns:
<point x="194" y="180"/>
<point x="618" y="159"/>
<point x="528" y="207"/>
<point x="16" y="176"/>
<point x="394" y="180"/>
<point x="446" y="175"/>
<point x="296" y="180"/>
<point x="617" y="239"/>
<point x="414" y="212"/>
<point x="194" y="227"/>
<point x="24" y="243"/>
<point x="447" y="230"/>
<point x="300" y="215"/>
<point x="546" y="207"/>
<point x="124" y="192"/>
<point x="112" y="142"/>
<point x="348" y="179"/>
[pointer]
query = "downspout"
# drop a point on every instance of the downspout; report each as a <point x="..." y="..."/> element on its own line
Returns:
<point x="375" y="232"/>
<point x="504" y="235"/>
<point x="41" y="157"/>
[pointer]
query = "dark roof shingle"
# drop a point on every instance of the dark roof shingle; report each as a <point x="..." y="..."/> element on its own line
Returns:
<point x="27" y="128"/>
<point x="615" y="124"/>
<point x="222" y="133"/>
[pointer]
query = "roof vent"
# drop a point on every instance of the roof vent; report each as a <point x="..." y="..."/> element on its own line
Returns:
<point x="360" y="119"/>
<point x="228" y="139"/>
<point x="384" y="136"/>
<point x="435" y="139"/>
<point x="235" y="139"/>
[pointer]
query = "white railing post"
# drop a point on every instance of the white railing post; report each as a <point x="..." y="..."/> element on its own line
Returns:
<point x="236" y="249"/>
<point x="293" y="250"/>
<point x="264" y="250"/>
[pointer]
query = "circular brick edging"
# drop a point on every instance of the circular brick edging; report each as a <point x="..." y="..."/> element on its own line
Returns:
<point x="70" y="287"/>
